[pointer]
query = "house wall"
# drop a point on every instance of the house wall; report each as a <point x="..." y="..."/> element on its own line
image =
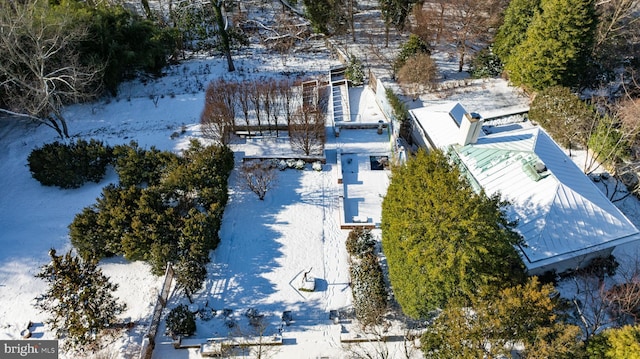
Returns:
<point x="418" y="134"/>
<point x="570" y="264"/>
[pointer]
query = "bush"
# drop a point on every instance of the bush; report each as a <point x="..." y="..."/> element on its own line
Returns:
<point x="360" y="242"/>
<point x="180" y="321"/>
<point x="126" y="43"/>
<point x="419" y="73"/>
<point x="354" y="71"/>
<point x="367" y="280"/>
<point x="69" y="165"/>
<point x="139" y="167"/>
<point x="413" y="46"/>
<point x="178" y="219"/>
<point x="400" y="112"/>
<point x="486" y="64"/>
<point x="369" y="293"/>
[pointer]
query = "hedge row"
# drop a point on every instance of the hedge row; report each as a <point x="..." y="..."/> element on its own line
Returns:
<point x="367" y="281"/>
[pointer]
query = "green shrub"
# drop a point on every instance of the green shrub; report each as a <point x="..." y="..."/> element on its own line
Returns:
<point x="98" y="230"/>
<point x="360" y="242"/>
<point x="486" y="64"/>
<point x="69" y="165"/>
<point x="367" y="280"/>
<point x="88" y="236"/>
<point x="354" y="71"/>
<point x="413" y="46"/>
<point x="176" y="219"/>
<point x="125" y="43"/>
<point x="139" y="167"/>
<point x="180" y="321"/>
<point x="400" y="112"/>
<point x="368" y="288"/>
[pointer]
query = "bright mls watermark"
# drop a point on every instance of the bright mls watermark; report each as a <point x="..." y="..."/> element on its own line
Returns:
<point x="30" y="349"/>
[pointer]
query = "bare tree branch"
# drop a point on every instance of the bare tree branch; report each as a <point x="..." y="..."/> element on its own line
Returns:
<point x="40" y="70"/>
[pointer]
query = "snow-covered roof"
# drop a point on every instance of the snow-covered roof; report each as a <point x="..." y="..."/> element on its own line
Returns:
<point x="561" y="213"/>
<point x="437" y="121"/>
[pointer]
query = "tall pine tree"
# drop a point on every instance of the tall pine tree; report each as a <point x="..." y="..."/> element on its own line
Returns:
<point x="557" y="46"/>
<point x="442" y="239"/>
<point x="517" y="18"/>
<point x="79" y="300"/>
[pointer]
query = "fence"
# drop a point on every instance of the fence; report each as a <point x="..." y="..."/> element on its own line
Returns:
<point x="149" y="341"/>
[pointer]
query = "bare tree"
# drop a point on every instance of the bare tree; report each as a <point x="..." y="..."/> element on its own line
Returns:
<point x="613" y="135"/>
<point x="217" y="120"/>
<point x="429" y="20"/>
<point x="40" y="70"/>
<point x="383" y="344"/>
<point x="268" y="91"/>
<point x="258" y="339"/>
<point x="285" y="88"/>
<point x="463" y="23"/>
<point x="255" y="96"/>
<point x="306" y="128"/>
<point x="418" y="74"/>
<point x="618" y="19"/>
<point x="229" y="92"/>
<point x="244" y="93"/>
<point x="258" y="176"/>
<point x="591" y="309"/>
<point x="282" y="36"/>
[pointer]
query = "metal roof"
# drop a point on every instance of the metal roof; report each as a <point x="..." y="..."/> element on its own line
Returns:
<point x="560" y="212"/>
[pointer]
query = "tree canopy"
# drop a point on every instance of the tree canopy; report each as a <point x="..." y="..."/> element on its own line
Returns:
<point x="163" y="213"/>
<point x="328" y="16"/>
<point x="79" y="300"/>
<point x="556" y="47"/>
<point x="491" y="325"/>
<point x="567" y="118"/>
<point x="517" y="18"/>
<point x="442" y="239"/>
<point x="396" y="12"/>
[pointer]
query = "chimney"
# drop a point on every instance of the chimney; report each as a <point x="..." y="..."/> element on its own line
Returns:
<point x="470" y="127"/>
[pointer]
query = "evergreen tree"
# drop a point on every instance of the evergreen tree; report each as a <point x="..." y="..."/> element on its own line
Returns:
<point x="567" y="118"/>
<point x="180" y="321"/>
<point x="327" y="16"/>
<point x="396" y="12"/>
<point x="623" y="343"/>
<point x="557" y="46"/>
<point x="517" y="18"/>
<point x="413" y="46"/>
<point x="79" y="300"/>
<point x="368" y="289"/>
<point x="490" y="325"/>
<point x="198" y="236"/>
<point x="175" y="219"/>
<point x="441" y="239"/>
<point x="190" y="275"/>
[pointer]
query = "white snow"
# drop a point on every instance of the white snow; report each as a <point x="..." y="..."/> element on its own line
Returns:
<point x="266" y="246"/>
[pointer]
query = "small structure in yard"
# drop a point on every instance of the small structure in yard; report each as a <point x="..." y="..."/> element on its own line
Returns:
<point x="308" y="283"/>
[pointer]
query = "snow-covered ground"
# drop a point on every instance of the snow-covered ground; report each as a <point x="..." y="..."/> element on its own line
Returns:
<point x="266" y="246"/>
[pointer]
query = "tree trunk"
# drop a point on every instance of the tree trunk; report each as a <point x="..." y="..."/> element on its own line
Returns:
<point x="147" y="9"/>
<point x="222" y="32"/>
<point x="353" y="26"/>
<point x="386" y="34"/>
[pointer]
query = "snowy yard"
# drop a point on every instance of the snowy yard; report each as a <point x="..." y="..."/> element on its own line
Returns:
<point x="265" y="247"/>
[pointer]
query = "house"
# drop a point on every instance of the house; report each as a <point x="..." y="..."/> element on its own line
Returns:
<point x="565" y="220"/>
